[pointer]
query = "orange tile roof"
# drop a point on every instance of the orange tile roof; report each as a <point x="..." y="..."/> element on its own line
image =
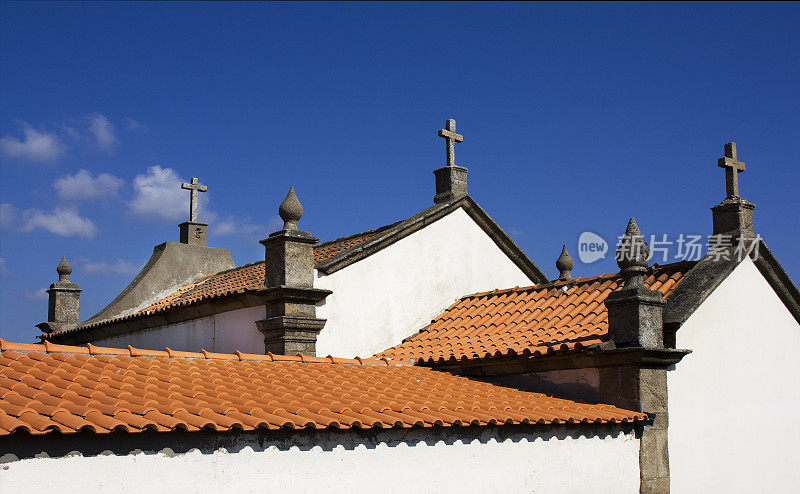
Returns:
<point x="67" y="389"/>
<point x="526" y="321"/>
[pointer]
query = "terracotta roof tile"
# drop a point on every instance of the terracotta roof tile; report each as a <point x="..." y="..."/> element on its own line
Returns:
<point x="526" y="321"/>
<point x="70" y="389"/>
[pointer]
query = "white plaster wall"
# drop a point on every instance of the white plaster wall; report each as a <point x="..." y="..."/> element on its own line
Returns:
<point x="344" y="463"/>
<point x="393" y="293"/>
<point x="225" y="332"/>
<point x="733" y="401"/>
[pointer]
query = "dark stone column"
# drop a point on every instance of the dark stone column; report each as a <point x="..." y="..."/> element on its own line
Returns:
<point x="635" y="321"/>
<point x="643" y="389"/>
<point x="291" y="326"/>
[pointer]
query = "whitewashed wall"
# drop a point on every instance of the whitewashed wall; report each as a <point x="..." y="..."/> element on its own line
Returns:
<point x="225" y="333"/>
<point x="376" y="302"/>
<point x="393" y="293"/>
<point x="733" y="402"/>
<point x="409" y="461"/>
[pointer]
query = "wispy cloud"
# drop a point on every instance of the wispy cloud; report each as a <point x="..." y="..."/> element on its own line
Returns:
<point x="35" y="146"/>
<point x="61" y="221"/>
<point x="244" y="226"/>
<point x="120" y="266"/>
<point x="8" y="215"/>
<point x="157" y="195"/>
<point x="40" y="294"/>
<point x="102" y="132"/>
<point x="135" y="125"/>
<point x="81" y="186"/>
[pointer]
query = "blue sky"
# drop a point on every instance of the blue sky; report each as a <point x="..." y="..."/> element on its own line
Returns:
<point x="575" y="117"/>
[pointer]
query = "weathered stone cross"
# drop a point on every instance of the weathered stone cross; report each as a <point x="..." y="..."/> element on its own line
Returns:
<point x="450" y="139"/>
<point x="733" y="168"/>
<point x="195" y="188"/>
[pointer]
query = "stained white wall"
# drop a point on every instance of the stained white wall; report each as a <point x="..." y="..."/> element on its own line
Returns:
<point x="393" y="293"/>
<point x="376" y="302"/>
<point x="224" y="333"/>
<point x="342" y="462"/>
<point x="733" y="401"/>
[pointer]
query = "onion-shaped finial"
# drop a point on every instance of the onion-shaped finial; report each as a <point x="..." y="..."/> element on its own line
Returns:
<point x="564" y="264"/>
<point x="64" y="270"/>
<point x="290" y="210"/>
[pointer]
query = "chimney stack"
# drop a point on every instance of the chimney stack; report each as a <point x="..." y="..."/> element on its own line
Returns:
<point x="451" y="180"/>
<point x="291" y="326"/>
<point x="635" y="311"/>
<point x="63" y="301"/>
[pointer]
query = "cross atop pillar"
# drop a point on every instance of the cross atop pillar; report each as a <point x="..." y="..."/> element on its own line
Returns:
<point x="450" y="138"/>
<point x="733" y="168"/>
<point x="194" y="187"/>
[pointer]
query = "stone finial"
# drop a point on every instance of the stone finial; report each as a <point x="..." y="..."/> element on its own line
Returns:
<point x="733" y="168"/>
<point x="290" y="210"/>
<point x="564" y="264"/>
<point x="193" y="232"/>
<point x="194" y="187"/>
<point x="64" y="270"/>
<point x="633" y="255"/>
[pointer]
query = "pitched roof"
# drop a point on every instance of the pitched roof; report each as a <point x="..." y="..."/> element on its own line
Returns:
<point x="66" y="389"/>
<point x="329" y="257"/>
<point x="533" y="320"/>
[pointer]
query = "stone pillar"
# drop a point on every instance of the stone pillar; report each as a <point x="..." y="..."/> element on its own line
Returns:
<point x="451" y="183"/>
<point x="193" y="233"/>
<point x="733" y="217"/>
<point x="291" y="326"/>
<point x="635" y="321"/>
<point x="63" y="301"/>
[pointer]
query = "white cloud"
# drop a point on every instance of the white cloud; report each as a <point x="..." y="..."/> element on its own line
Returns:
<point x="120" y="266"/>
<point x="40" y="294"/>
<point x="35" y="146"/>
<point x="244" y="226"/>
<point x="8" y="215"/>
<point x="82" y="186"/>
<point x="61" y="221"/>
<point x="157" y="194"/>
<point x="102" y="131"/>
<point x="135" y="125"/>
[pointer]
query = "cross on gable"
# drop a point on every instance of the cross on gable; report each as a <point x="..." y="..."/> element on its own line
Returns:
<point x="733" y="168"/>
<point x="450" y="139"/>
<point x="194" y="187"/>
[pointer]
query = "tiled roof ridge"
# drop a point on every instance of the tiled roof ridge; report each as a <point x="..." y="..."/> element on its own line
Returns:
<point x="356" y="235"/>
<point x="89" y="349"/>
<point x="573" y="282"/>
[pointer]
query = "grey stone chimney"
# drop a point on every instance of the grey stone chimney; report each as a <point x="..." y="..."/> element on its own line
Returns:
<point x="63" y="302"/>
<point x="451" y="180"/>
<point x="734" y="215"/>
<point x="635" y="311"/>
<point x="291" y="326"/>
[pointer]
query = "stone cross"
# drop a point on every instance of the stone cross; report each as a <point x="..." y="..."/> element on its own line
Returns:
<point x="733" y="168"/>
<point x="450" y="139"/>
<point x="195" y="188"/>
